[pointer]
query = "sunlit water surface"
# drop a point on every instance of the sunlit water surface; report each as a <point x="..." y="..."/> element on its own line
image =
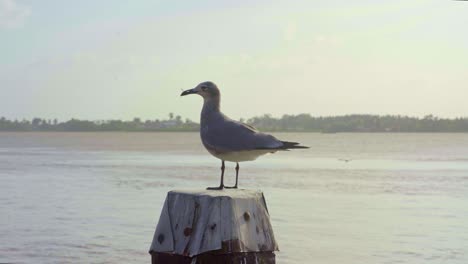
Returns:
<point x="96" y="197"/>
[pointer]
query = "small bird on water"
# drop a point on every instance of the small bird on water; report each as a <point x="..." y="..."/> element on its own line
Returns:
<point x="230" y="140"/>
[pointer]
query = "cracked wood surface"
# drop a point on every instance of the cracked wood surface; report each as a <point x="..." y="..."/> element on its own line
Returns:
<point x="193" y="222"/>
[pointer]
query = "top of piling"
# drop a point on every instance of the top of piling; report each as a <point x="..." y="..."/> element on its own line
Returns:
<point x="193" y="222"/>
<point x="230" y="193"/>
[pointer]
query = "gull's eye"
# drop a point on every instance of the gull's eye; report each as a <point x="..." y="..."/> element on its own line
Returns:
<point x="204" y="88"/>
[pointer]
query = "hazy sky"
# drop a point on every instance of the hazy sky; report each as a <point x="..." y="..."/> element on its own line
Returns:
<point x="122" y="59"/>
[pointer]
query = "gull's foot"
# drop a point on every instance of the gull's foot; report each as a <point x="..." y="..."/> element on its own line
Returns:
<point x="216" y="188"/>
<point x="231" y="187"/>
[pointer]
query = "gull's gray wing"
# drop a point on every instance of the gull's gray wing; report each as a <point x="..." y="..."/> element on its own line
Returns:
<point x="226" y="135"/>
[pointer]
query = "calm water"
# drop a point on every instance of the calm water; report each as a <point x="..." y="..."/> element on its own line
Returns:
<point x="96" y="197"/>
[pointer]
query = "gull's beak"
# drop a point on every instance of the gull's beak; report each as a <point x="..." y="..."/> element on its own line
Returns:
<point x="189" y="91"/>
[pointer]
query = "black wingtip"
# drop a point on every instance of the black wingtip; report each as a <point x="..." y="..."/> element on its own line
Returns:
<point x="292" y="145"/>
<point x="286" y="146"/>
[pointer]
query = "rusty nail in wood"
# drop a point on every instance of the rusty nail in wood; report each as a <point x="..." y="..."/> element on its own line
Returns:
<point x="161" y="238"/>
<point x="187" y="231"/>
<point x="246" y="216"/>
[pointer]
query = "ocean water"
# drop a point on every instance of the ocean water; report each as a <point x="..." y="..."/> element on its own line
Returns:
<point x="96" y="197"/>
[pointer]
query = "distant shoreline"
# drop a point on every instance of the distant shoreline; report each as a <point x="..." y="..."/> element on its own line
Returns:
<point x="302" y="123"/>
<point x="266" y="131"/>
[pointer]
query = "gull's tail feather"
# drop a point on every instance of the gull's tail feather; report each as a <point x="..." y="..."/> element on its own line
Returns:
<point x="291" y="145"/>
<point x="286" y="146"/>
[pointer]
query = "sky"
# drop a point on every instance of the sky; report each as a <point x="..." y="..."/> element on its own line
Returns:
<point x="116" y="59"/>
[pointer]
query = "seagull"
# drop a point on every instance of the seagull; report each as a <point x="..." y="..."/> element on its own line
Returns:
<point x="230" y="140"/>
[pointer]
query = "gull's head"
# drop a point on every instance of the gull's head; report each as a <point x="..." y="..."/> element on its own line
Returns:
<point x="207" y="90"/>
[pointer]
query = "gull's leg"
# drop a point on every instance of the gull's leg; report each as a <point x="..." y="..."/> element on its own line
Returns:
<point x="237" y="178"/>
<point x="221" y="185"/>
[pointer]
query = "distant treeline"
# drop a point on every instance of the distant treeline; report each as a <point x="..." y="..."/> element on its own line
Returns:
<point x="173" y="123"/>
<point x="359" y="123"/>
<point x="287" y="123"/>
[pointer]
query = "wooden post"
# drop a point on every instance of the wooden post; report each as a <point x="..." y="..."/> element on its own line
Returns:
<point x="229" y="226"/>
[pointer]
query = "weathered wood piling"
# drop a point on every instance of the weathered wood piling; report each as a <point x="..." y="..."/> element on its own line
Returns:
<point x="212" y="226"/>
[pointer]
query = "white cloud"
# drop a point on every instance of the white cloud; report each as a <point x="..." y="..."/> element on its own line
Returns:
<point x="12" y="14"/>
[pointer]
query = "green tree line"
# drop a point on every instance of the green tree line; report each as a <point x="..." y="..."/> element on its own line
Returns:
<point x="359" y="123"/>
<point x="286" y="123"/>
<point x="173" y="123"/>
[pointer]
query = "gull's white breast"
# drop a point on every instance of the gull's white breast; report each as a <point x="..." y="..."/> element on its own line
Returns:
<point x="238" y="156"/>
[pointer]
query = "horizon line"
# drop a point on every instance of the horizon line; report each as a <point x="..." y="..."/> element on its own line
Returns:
<point x="432" y="116"/>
